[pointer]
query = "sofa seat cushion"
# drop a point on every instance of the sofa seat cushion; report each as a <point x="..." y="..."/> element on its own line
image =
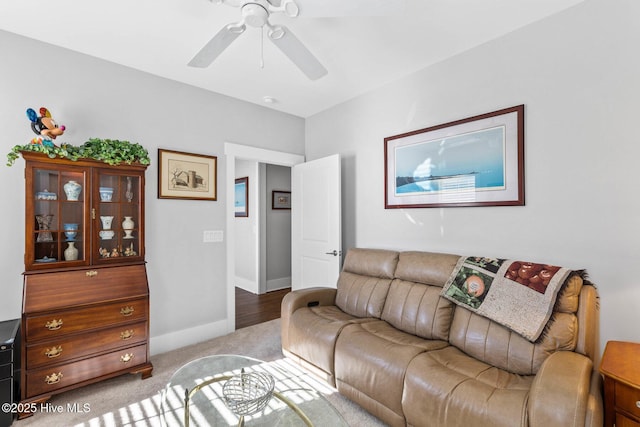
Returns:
<point x="313" y="332"/>
<point x="370" y="364"/>
<point x="385" y="331"/>
<point x="449" y="388"/>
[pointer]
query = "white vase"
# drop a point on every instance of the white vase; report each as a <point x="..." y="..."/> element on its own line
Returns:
<point x="72" y="189"/>
<point x="106" y="222"/>
<point x="127" y="226"/>
<point x="71" y="253"/>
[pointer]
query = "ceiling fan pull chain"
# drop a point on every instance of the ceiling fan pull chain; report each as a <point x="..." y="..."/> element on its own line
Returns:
<point x="262" y="47"/>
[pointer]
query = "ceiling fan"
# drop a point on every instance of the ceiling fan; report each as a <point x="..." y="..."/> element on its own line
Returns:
<point x="256" y="13"/>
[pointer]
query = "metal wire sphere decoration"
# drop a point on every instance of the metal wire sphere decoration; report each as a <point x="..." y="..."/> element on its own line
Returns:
<point x="248" y="393"/>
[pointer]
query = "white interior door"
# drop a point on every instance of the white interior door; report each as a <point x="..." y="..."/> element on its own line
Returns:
<point x="316" y="246"/>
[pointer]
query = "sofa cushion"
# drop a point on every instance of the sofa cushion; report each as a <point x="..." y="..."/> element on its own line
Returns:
<point x="371" y="262"/>
<point x="519" y="295"/>
<point x="413" y="303"/>
<point x="492" y="343"/>
<point x="364" y="281"/>
<point x="385" y="331"/>
<point x="450" y="388"/>
<point x="426" y="267"/>
<point x="418" y="309"/>
<point x="372" y="358"/>
<point x="313" y="332"/>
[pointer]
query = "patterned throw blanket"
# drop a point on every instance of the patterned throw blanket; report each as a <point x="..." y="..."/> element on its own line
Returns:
<point x="519" y="295"/>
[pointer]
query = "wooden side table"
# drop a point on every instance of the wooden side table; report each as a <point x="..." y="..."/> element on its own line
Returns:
<point x="621" y="369"/>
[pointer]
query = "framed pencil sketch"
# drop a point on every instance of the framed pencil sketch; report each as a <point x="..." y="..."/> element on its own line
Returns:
<point x="280" y="199"/>
<point x="242" y="197"/>
<point x="186" y="175"/>
<point x="478" y="161"/>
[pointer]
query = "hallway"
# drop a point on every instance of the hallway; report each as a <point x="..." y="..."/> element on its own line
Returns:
<point x="252" y="309"/>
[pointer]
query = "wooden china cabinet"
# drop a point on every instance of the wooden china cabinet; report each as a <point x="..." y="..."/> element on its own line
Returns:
<point x="85" y="309"/>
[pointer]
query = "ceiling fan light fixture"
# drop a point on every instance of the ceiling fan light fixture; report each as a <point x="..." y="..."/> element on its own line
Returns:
<point x="255" y="15"/>
<point x="276" y="32"/>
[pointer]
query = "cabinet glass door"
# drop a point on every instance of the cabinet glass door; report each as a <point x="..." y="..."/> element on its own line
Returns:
<point x="118" y="217"/>
<point x="59" y="228"/>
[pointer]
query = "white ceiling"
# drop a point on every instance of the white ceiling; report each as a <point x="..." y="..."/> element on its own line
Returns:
<point x="360" y="53"/>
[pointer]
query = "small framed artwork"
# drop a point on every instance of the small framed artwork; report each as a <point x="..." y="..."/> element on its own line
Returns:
<point x="186" y="176"/>
<point x="242" y="197"/>
<point x="478" y="161"/>
<point x="281" y="199"/>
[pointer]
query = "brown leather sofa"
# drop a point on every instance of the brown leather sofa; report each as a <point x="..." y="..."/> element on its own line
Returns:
<point x="387" y="340"/>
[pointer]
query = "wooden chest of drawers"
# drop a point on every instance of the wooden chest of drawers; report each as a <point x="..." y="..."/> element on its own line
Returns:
<point x="83" y="326"/>
<point x="621" y="384"/>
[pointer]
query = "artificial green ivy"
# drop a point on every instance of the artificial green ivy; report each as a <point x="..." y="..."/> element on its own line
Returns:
<point x="110" y="151"/>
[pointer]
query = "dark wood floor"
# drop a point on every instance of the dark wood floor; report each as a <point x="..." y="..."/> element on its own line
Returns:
<point x="252" y="309"/>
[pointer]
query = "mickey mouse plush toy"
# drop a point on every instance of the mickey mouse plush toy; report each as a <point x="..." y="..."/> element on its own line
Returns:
<point x="44" y="126"/>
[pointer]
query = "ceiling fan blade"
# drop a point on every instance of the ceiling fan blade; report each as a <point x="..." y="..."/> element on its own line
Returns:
<point x="291" y="46"/>
<point x="217" y="45"/>
<point x="340" y="8"/>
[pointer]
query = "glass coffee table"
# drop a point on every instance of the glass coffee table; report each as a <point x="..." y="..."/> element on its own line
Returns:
<point x="194" y="395"/>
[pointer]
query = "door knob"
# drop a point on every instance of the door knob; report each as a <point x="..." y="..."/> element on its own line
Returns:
<point x="334" y="253"/>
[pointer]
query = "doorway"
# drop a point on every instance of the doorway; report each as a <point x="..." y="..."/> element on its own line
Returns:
<point x="263" y="227"/>
<point x="263" y="240"/>
<point x="232" y="153"/>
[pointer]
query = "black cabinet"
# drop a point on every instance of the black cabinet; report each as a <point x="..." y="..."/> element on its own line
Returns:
<point x="9" y="369"/>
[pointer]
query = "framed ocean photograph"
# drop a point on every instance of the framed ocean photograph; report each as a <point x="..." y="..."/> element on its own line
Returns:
<point x="478" y="161"/>
<point x="242" y="197"/>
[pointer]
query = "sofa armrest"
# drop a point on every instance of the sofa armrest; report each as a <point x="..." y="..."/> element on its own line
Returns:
<point x="303" y="298"/>
<point x="561" y="393"/>
<point x="595" y="408"/>
<point x="307" y="298"/>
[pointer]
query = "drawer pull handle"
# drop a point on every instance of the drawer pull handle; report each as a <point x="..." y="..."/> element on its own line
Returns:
<point x="126" y="358"/>
<point x="53" y="352"/>
<point x="126" y="335"/>
<point x="53" y="378"/>
<point x="54" y="325"/>
<point x="91" y="273"/>
<point x="126" y="311"/>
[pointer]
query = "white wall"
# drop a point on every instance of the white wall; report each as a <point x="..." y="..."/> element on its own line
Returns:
<point x="95" y="98"/>
<point x="578" y="75"/>
<point x="246" y="231"/>
<point x="278" y="231"/>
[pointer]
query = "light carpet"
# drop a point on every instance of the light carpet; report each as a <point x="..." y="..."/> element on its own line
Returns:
<point x="129" y="401"/>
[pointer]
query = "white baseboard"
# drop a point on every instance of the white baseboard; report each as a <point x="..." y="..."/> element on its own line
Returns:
<point x="246" y="284"/>
<point x="184" y="337"/>
<point x="277" y="284"/>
